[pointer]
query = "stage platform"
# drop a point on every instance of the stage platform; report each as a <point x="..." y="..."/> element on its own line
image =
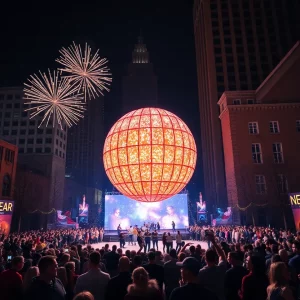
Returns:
<point x="112" y="235"/>
<point x="136" y="247"/>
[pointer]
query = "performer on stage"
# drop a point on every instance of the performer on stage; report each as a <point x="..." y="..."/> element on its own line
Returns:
<point x="173" y="226"/>
<point x="155" y="239"/>
<point x="122" y="240"/>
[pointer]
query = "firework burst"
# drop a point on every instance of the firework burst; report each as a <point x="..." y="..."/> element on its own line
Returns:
<point x="89" y="72"/>
<point x="52" y="96"/>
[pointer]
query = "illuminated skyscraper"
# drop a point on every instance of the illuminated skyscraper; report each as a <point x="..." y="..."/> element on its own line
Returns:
<point x="238" y="43"/>
<point x="84" y="167"/>
<point x="139" y="86"/>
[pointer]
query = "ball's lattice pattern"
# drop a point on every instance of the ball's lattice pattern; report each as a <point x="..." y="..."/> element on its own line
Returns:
<point x="149" y="154"/>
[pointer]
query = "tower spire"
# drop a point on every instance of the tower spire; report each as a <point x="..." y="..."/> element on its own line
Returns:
<point x="140" y="53"/>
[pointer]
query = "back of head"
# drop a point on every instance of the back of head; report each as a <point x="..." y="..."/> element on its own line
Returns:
<point x="276" y="258"/>
<point x="95" y="258"/>
<point x="211" y="256"/>
<point x="235" y="256"/>
<point x="274" y="248"/>
<point x="114" y="248"/>
<point x="258" y="265"/>
<point x="17" y="262"/>
<point x="284" y="255"/>
<point x="140" y="277"/>
<point x="137" y="260"/>
<point x="124" y="264"/>
<point x="151" y="256"/>
<point x="278" y="274"/>
<point x="173" y="253"/>
<point x="45" y="262"/>
<point x="192" y="249"/>
<point x="84" y="296"/>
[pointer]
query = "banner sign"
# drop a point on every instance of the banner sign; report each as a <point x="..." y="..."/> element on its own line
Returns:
<point x="201" y="210"/>
<point x="295" y="205"/>
<point x="83" y="211"/>
<point x="222" y="217"/>
<point x="6" y="212"/>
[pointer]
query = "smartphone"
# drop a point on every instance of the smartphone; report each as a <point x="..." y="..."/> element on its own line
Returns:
<point x="66" y="250"/>
<point x="9" y="257"/>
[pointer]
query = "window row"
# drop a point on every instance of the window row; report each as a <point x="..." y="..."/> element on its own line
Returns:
<point x="27" y="132"/>
<point x="37" y="141"/>
<point x="36" y="150"/>
<point x="261" y="185"/>
<point x="257" y="156"/>
<point x="239" y="101"/>
<point x="10" y="96"/>
<point x="16" y="123"/>
<point x="273" y="127"/>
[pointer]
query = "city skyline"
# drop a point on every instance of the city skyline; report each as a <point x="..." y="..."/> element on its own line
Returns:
<point x="167" y="41"/>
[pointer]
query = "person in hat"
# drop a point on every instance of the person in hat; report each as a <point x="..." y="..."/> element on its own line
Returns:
<point x="189" y="284"/>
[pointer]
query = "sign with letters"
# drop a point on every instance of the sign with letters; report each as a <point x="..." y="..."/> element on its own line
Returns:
<point x="294" y="199"/>
<point x="6" y="212"/>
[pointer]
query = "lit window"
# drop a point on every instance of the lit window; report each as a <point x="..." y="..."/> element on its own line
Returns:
<point x="282" y="184"/>
<point x="237" y="102"/>
<point x="257" y="154"/>
<point x="298" y="125"/>
<point x="253" y="128"/>
<point x="277" y="153"/>
<point x="274" y="127"/>
<point x="260" y="184"/>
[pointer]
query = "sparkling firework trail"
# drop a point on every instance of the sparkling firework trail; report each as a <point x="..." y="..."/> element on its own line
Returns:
<point x="54" y="97"/>
<point x="87" y="71"/>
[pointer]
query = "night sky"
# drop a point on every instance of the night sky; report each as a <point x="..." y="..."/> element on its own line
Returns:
<point x="32" y="35"/>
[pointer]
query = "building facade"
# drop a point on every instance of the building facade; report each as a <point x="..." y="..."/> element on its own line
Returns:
<point x="238" y="43"/>
<point x="8" y="165"/>
<point x="84" y="165"/>
<point x="41" y="148"/>
<point x="139" y="86"/>
<point x="261" y="137"/>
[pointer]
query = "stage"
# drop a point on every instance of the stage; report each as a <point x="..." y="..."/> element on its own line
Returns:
<point x="136" y="248"/>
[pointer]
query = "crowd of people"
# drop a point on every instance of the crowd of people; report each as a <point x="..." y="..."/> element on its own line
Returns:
<point x="247" y="263"/>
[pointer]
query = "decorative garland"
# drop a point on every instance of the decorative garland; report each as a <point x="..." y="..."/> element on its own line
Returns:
<point x="43" y="212"/>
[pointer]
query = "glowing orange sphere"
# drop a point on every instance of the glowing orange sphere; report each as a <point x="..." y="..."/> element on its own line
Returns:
<point x="149" y="155"/>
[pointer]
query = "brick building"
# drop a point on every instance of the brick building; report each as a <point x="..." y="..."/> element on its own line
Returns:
<point x="41" y="148"/>
<point x="8" y="165"/>
<point x="261" y="138"/>
<point x="238" y="43"/>
<point x="31" y="194"/>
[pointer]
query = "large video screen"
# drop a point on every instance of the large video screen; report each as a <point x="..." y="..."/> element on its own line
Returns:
<point x="126" y="212"/>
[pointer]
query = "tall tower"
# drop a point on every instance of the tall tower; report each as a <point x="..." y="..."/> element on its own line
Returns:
<point x="139" y="86"/>
<point x="84" y="167"/>
<point x="238" y="43"/>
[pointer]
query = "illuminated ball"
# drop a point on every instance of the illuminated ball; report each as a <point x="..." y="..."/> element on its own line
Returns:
<point x="149" y="155"/>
